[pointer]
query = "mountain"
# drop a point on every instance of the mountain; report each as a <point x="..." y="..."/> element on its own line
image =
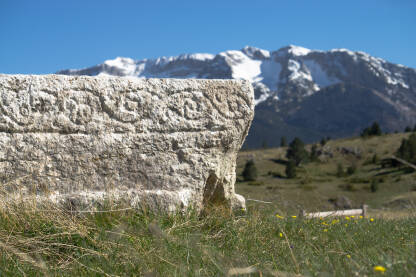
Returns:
<point x="299" y="92"/>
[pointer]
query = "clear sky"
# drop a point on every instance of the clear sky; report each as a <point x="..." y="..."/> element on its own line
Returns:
<point x="44" y="36"/>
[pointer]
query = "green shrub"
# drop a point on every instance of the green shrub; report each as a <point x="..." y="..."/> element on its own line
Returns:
<point x="250" y="171"/>
<point x="352" y="169"/>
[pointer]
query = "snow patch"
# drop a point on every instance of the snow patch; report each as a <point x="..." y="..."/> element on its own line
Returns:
<point x="256" y="53"/>
<point x="126" y="65"/>
<point x="298" y="50"/>
<point x="270" y="73"/>
<point x="319" y="76"/>
<point x="297" y="73"/>
<point x="242" y="66"/>
<point x="197" y="56"/>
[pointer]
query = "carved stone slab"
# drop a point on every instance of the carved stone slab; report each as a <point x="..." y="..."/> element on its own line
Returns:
<point x="166" y="143"/>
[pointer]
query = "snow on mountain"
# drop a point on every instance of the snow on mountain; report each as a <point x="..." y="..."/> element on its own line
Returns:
<point x="242" y="66"/>
<point x="270" y="72"/>
<point x="292" y="83"/>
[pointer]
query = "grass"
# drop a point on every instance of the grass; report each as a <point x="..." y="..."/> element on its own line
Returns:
<point x="46" y="240"/>
<point x="53" y="242"/>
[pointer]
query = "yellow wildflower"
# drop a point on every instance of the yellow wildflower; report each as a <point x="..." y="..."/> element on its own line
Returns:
<point x="361" y="216"/>
<point x="346" y="225"/>
<point x="352" y="216"/>
<point x="281" y="235"/>
<point x="347" y="218"/>
<point x="349" y="256"/>
<point x="325" y="230"/>
<point x="279" y="216"/>
<point x="371" y="219"/>
<point x="334" y="221"/>
<point x="324" y="223"/>
<point x="294" y="216"/>
<point x="379" y="268"/>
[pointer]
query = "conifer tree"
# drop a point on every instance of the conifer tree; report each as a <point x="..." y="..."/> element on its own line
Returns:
<point x="297" y="152"/>
<point x="290" y="169"/>
<point x="250" y="171"/>
<point x="407" y="149"/>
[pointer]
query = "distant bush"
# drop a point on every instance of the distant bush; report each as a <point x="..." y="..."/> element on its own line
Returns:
<point x="250" y="171"/>
<point x="407" y="129"/>
<point x="373" y="130"/>
<point x="352" y="169"/>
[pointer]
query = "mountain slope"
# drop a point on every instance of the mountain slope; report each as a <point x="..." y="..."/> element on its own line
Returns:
<point x="299" y="92"/>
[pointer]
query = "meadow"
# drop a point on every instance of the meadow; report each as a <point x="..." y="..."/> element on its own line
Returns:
<point x="268" y="239"/>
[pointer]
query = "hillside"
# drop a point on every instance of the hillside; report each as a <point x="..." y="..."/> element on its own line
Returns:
<point x="317" y="182"/>
<point x="299" y="92"/>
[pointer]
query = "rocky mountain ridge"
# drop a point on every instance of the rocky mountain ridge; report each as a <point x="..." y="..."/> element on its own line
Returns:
<point x="298" y="91"/>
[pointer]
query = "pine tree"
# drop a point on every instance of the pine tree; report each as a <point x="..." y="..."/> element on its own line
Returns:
<point x="297" y="152"/>
<point x="290" y="169"/>
<point x="374" y="130"/>
<point x="250" y="171"/>
<point x="407" y="149"/>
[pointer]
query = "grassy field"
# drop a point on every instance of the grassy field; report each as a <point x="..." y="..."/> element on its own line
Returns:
<point x="267" y="240"/>
<point x="317" y="182"/>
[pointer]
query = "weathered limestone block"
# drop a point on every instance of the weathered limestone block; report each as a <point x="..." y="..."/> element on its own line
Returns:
<point x="166" y="143"/>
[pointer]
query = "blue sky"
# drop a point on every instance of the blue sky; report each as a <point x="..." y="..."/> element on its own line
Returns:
<point x="44" y="36"/>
